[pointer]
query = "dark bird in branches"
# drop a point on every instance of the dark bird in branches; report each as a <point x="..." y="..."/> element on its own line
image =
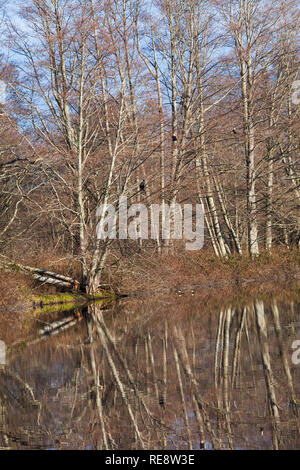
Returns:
<point x="142" y="185"/>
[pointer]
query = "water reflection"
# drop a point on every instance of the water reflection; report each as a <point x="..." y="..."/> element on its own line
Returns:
<point x="138" y="375"/>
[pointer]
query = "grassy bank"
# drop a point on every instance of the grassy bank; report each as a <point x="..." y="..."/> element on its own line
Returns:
<point x="185" y="270"/>
<point x="146" y="272"/>
<point x="20" y="293"/>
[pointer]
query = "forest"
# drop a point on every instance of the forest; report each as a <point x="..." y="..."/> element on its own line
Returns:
<point x="163" y="102"/>
<point x="128" y="127"/>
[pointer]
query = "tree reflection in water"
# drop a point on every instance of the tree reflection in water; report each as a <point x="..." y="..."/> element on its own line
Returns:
<point x="135" y="376"/>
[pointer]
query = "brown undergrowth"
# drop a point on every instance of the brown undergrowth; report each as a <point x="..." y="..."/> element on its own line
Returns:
<point x="188" y="271"/>
<point x="149" y="273"/>
<point x="17" y="289"/>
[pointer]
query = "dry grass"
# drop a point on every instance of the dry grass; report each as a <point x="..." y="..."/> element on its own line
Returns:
<point x="149" y="272"/>
<point x="188" y="270"/>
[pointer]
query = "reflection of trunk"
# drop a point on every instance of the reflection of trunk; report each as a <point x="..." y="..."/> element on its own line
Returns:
<point x="198" y="404"/>
<point x="16" y="397"/>
<point x="120" y="386"/>
<point x="222" y="368"/>
<point x="163" y="398"/>
<point x="185" y="413"/>
<point x="17" y="392"/>
<point x="283" y="355"/>
<point x="104" y="335"/>
<point x="237" y="347"/>
<point x="225" y="374"/>
<point x="4" y="441"/>
<point x="219" y="348"/>
<point x="123" y="364"/>
<point x="88" y="401"/>
<point x="267" y="368"/>
<point x="96" y="384"/>
<point x="165" y="344"/>
<point x="147" y="367"/>
<point x="153" y="366"/>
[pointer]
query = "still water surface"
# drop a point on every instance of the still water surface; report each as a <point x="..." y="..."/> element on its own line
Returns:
<point x="149" y="374"/>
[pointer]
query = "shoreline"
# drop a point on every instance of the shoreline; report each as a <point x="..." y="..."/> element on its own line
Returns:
<point x="177" y="273"/>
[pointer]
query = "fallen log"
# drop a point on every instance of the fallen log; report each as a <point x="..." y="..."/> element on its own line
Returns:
<point x="49" y="280"/>
<point x="42" y="275"/>
<point x="51" y="274"/>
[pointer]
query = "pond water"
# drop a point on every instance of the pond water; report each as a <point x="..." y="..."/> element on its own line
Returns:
<point x="155" y="374"/>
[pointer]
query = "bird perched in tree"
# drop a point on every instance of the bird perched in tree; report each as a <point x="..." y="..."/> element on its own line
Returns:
<point x="234" y="131"/>
<point x="142" y="185"/>
<point x="174" y="138"/>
